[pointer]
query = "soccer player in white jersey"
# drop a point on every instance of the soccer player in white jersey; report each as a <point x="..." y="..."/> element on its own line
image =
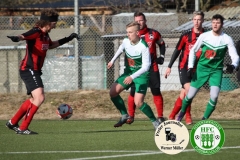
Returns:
<point x="214" y="44"/>
<point x="136" y="72"/>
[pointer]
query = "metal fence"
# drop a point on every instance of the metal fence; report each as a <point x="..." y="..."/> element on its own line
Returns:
<point x="100" y="38"/>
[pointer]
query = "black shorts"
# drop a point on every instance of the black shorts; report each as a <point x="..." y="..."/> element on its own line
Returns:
<point x="183" y="77"/>
<point x="32" y="80"/>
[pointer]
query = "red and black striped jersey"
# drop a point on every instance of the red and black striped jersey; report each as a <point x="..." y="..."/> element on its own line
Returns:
<point x="38" y="43"/>
<point x="152" y="37"/>
<point x="185" y="43"/>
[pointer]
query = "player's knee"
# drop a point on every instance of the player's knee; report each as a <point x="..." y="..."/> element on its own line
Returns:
<point x="112" y="93"/>
<point x="38" y="100"/>
<point x="155" y="91"/>
<point x="138" y="104"/>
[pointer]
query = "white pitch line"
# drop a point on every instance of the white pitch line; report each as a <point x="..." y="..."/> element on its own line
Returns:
<point x="96" y="151"/>
<point x="117" y="156"/>
<point x="135" y="153"/>
<point x="138" y="154"/>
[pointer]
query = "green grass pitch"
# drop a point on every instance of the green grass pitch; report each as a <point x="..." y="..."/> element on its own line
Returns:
<point x="98" y="139"/>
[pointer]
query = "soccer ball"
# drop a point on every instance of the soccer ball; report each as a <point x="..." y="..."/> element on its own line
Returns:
<point x="64" y="111"/>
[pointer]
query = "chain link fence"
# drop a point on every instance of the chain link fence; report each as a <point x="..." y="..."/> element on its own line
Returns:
<point x="64" y="69"/>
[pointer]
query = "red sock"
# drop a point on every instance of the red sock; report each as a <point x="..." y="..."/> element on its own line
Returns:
<point x="177" y="107"/>
<point x="131" y="106"/>
<point x="28" y="117"/>
<point x="21" y="112"/>
<point x="188" y="114"/>
<point x="158" y="101"/>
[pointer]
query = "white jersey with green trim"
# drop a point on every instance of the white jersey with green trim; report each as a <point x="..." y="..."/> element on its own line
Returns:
<point x="137" y="57"/>
<point x="214" y="49"/>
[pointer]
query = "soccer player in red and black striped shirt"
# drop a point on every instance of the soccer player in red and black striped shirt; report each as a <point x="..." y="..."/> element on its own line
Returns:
<point x="153" y="38"/>
<point x="185" y="43"/>
<point x="38" y="42"/>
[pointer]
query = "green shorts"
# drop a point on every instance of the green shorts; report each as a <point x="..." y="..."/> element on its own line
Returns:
<point x="141" y="83"/>
<point x="203" y="74"/>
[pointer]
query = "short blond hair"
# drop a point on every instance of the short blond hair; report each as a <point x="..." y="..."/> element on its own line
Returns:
<point x="133" y="24"/>
<point x="198" y="13"/>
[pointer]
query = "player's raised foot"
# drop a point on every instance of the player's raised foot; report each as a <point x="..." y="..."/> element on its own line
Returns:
<point x="122" y="120"/>
<point x="11" y="126"/>
<point x="188" y="120"/>
<point x="130" y="120"/>
<point x="156" y="124"/>
<point x="161" y="119"/>
<point x="25" y="132"/>
<point x="180" y="116"/>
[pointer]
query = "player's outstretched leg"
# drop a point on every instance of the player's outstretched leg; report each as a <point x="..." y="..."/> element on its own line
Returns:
<point x="176" y="109"/>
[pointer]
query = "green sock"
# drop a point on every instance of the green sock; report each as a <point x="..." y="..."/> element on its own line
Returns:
<point x="209" y="109"/>
<point x="185" y="103"/>
<point x="146" y="109"/>
<point x="119" y="103"/>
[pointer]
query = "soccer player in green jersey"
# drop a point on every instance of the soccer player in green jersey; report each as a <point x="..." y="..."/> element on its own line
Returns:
<point x="214" y="45"/>
<point x="136" y="72"/>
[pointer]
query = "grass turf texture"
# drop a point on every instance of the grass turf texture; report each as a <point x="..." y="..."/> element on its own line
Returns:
<point x="98" y="139"/>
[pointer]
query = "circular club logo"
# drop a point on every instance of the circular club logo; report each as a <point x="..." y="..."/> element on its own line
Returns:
<point x="171" y="137"/>
<point x="207" y="137"/>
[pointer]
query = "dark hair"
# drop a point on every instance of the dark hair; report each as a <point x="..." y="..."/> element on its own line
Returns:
<point x="136" y="14"/>
<point x="218" y="16"/>
<point x="48" y="15"/>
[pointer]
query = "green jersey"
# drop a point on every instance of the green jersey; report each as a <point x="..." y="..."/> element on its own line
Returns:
<point x="137" y="58"/>
<point x="214" y="49"/>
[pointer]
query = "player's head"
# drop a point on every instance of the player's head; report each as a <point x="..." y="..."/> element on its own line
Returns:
<point x="198" y="18"/>
<point x="217" y="23"/>
<point x="141" y="19"/>
<point x="132" y="31"/>
<point x="48" y="19"/>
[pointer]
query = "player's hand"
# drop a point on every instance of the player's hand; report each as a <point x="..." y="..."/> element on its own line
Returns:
<point x="14" y="38"/>
<point x="190" y="73"/>
<point x="230" y="68"/>
<point x="109" y="65"/>
<point x="160" y="60"/>
<point x="167" y="73"/>
<point x="128" y="80"/>
<point x="73" y="35"/>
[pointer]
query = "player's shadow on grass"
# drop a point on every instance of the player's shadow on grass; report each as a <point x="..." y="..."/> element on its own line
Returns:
<point x="100" y="131"/>
<point x="132" y="130"/>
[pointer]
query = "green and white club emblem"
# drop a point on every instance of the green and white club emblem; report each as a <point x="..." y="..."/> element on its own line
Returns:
<point x="207" y="137"/>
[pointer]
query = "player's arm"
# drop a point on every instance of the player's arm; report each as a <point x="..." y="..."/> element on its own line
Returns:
<point x="116" y="55"/>
<point x="193" y="50"/>
<point x="162" y="49"/>
<point x="146" y="63"/>
<point x="233" y="53"/>
<point x="180" y="45"/>
<point x="234" y="56"/>
<point x="29" y="35"/>
<point x="16" y="38"/>
<point x="64" y="40"/>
